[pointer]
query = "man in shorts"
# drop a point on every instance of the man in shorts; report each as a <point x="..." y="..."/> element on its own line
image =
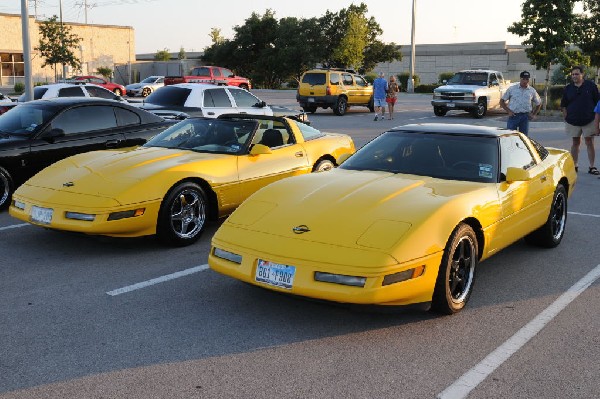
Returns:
<point x="578" y="104"/>
<point x="380" y="87"/>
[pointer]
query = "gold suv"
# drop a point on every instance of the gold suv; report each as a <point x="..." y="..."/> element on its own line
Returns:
<point x="337" y="89"/>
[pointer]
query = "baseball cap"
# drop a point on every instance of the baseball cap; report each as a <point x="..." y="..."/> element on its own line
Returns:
<point x="525" y="75"/>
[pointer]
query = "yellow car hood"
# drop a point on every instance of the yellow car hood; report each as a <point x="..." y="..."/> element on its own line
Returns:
<point x="363" y="209"/>
<point x="108" y="173"/>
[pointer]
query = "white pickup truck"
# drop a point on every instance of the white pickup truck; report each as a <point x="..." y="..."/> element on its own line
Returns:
<point x="473" y="90"/>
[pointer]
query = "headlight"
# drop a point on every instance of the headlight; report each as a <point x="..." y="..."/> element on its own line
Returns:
<point x="230" y="256"/>
<point x="437" y="95"/>
<point x="80" y="216"/>
<point x="340" y="279"/>
<point x="20" y="205"/>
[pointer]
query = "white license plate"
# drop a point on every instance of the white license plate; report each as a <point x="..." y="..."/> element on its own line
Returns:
<point x="311" y="100"/>
<point x="275" y="274"/>
<point x="41" y="215"/>
<point x="450" y="105"/>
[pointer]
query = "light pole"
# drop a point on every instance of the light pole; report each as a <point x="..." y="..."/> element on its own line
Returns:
<point x="26" y="50"/>
<point x="410" y="85"/>
<point x="62" y="41"/>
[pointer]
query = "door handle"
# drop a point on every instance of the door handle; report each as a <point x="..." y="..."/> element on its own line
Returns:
<point x="299" y="154"/>
<point x="210" y="113"/>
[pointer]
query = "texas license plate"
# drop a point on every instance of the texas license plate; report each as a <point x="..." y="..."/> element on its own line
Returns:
<point x="450" y="105"/>
<point x="41" y="215"/>
<point x="311" y="100"/>
<point x="275" y="274"/>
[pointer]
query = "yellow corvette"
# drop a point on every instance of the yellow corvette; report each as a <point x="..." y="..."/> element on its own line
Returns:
<point x="197" y="169"/>
<point x="404" y="221"/>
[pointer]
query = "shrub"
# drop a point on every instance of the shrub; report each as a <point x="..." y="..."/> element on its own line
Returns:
<point x="19" y="88"/>
<point x="445" y="76"/>
<point x="426" y="88"/>
<point x="403" y="79"/>
<point x="370" y="77"/>
<point x="105" y="71"/>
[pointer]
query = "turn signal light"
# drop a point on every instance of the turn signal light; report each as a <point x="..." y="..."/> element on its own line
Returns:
<point x="404" y="275"/>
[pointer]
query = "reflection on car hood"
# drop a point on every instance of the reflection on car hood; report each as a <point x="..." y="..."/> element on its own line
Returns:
<point x="107" y="173"/>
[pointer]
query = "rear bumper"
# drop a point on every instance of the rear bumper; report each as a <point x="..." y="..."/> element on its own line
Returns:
<point x="316" y="101"/>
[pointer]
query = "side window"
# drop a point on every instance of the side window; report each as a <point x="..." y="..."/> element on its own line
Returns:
<point x="97" y="81"/>
<point x="160" y="80"/>
<point x="95" y="117"/>
<point x="541" y="150"/>
<point x="200" y="72"/>
<point x="347" y="79"/>
<point x="274" y="134"/>
<point x="309" y="132"/>
<point x="514" y="153"/>
<point x="217" y="72"/>
<point x="492" y="78"/>
<point x="216" y="98"/>
<point x="334" y="78"/>
<point x="360" y="81"/>
<point x="126" y="117"/>
<point x="227" y="72"/>
<point x="242" y="98"/>
<point x="76" y="91"/>
<point x="100" y="92"/>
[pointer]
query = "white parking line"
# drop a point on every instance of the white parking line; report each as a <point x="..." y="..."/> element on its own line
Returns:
<point x="14" y="226"/>
<point x="472" y="378"/>
<point x="157" y="280"/>
<point x="584" y="214"/>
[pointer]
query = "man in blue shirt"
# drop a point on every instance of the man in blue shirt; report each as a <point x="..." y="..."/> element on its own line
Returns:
<point x="577" y="105"/>
<point x="380" y="88"/>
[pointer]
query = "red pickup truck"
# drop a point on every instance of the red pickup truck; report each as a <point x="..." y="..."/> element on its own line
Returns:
<point x="211" y="74"/>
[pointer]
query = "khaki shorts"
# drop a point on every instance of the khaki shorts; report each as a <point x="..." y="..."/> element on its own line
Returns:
<point x="576" y="131"/>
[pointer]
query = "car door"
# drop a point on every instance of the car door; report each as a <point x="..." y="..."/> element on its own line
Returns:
<point x="363" y="90"/>
<point x="494" y="90"/>
<point x="216" y="102"/>
<point x="522" y="202"/>
<point x="287" y="158"/>
<point x="86" y="128"/>
<point x="350" y="87"/>
<point x="247" y="103"/>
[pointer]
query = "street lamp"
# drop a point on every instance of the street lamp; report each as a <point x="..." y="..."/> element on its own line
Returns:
<point x="410" y="86"/>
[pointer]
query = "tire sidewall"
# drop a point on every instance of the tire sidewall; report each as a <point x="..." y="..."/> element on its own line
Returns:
<point x="164" y="228"/>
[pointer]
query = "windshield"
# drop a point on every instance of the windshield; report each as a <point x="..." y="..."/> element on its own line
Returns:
<point x="169" y="96"/>
<point x="207" y="135"/>
<point x="438" y="155"/>
<point x="149" y="80"/>
<point x="469" y="78"/>
<point x="25" y="119"/>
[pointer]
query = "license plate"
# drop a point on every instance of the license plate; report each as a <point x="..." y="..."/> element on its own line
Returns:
<point x="450" y="105"/>
<point x="41" y="215"/>
<point x="275" y="274"/>
<point x="311" y="100"/>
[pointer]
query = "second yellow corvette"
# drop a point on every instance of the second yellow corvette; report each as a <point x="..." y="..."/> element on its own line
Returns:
<point x="196" y="170"/>
<point x="404" y="221"/>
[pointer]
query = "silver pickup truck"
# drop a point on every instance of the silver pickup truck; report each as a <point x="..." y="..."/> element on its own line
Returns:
<point x="474" y="90"/>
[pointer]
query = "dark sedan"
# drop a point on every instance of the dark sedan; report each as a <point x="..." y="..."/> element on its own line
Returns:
<point x="39" y="133"/>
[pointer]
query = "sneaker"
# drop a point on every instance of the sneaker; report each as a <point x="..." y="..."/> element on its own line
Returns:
<point x="376" y="117"/>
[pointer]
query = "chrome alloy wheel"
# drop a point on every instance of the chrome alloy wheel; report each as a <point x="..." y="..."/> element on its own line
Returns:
<point x="462" y="269"/>
<point x="188" y="214"/>
<point x="558" y="215"/>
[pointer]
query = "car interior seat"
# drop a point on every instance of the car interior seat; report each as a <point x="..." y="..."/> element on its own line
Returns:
<point x="225" y="135"/>
<point x="272" y="138"/>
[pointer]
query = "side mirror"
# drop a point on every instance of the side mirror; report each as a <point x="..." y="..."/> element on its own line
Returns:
<point x="444" y="81"/>
<point x="260" y="104"/>
<point x="517" y="174"/>
<point x="53" y="134"/>
<point x="258" y="149"/>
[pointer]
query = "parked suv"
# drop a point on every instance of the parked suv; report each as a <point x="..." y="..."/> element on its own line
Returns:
<point x="337" y="89"/>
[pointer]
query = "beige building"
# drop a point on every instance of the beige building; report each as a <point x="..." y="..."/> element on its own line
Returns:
<point x="102" y="45"/>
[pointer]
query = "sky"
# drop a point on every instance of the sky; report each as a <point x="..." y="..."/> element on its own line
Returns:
<point x="172" y="24"/>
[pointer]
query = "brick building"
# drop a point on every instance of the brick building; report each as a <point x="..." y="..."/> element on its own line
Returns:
<point x="102" y="45"/>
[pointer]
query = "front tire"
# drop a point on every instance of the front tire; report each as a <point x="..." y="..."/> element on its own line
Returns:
<point x="146" y="92"/>
<point x="454" y="283"/>
<point x="6" y="188"/>
<point x="310" y="109"/>
<point x="439" y="111"/>
<point x="371" y="105"/>
<point x="323" y="165"/>
<point x="182" y="215"/>
<point x="481" y="109"/>
<point x="552" y="232"/>
<point x="341" y="106"/>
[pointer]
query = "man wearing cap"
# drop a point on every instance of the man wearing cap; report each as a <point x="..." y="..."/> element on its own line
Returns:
<point x="522" y="102"/>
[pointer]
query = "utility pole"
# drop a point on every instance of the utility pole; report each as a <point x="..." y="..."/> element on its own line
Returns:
<point x="62" y="44"/>
<point x="26" y="50"/>
<point x="410" y="86"/>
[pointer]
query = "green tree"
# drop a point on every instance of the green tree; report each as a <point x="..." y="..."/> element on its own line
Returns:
<point x="105" y="71"/>
<point x="587" y="34"/>
<point x="162" y="55"/>
<point x="215" y="36"/>
<point x="377" y="52"/>
<point x="57" y="45"/>
<point x="181" y="55"/>
<point x="350" y="49"/>
<point x="548" y="28"/>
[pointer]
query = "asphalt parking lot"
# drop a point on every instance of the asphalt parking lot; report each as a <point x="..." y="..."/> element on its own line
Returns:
<point x="97" y="317"/>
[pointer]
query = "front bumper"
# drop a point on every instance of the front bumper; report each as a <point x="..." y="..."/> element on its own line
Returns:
<point x="458" y="104"/>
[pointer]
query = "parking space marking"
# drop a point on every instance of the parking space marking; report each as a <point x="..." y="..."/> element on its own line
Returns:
<point x="157" y="280"/>
<point x="471" y="379"/>
<point x="584" y="214"/>
<point x="14" y="226"/>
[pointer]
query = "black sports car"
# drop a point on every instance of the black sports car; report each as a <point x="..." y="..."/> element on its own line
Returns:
<point x="36" y="134"/>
